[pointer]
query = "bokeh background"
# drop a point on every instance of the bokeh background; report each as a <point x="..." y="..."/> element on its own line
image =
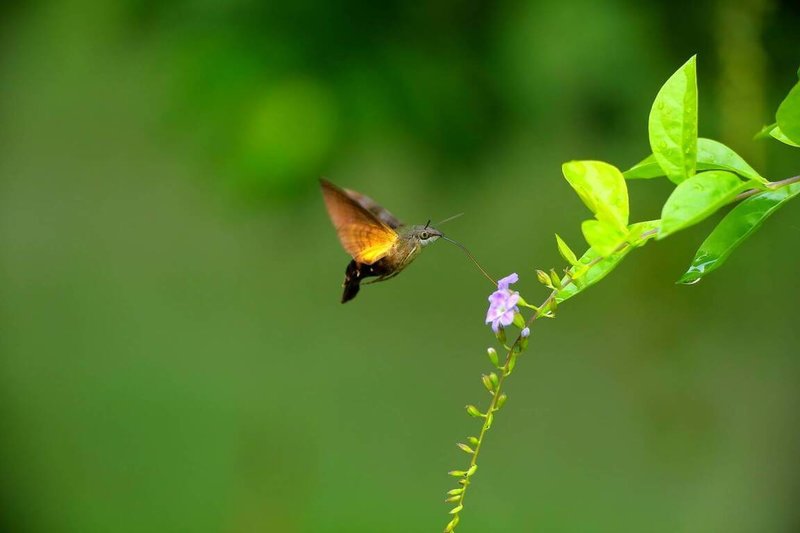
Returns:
<point x="173" y="354"/>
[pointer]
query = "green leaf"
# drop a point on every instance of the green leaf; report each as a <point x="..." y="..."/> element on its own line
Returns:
<point x="738" y="225"/>
<point x="673" y="124"/>
<point x="565" y="251"/>
<point x="638" y="233"/>
<point x="698" y="197"/>
<point x="602" y="188"/>
<point x="645" y="169"/>
<point x="602" y="236"/>
<point x="764" y="132"/>
<point x="711" y="155"/>
<point x="788" y="115"/>
<point x="776" y="133"/>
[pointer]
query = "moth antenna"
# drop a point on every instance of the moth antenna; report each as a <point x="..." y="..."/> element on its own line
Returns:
<point x="448" y="219"/>
<point x="448" y="239"/>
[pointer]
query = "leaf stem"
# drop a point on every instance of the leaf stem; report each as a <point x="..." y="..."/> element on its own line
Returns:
<point x="771" y="186"/>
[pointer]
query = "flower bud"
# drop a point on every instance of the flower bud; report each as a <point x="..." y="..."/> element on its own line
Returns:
<point x="465" y="448"/>
<point x="487" y="383"/>
<point x="512" y="362"/>
<point x="501" y="401"/>
<point x="452" y="525"/>
<point x="556" y="279"/>
<point x="543" y="278"/>
<point x="473" y="411"/>
<point x="492" y="353"/>
<point x="523" y="340"/>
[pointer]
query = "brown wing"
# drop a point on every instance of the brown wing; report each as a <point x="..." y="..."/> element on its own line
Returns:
<point x="380" y="212"/>
<point x="361" y="233"/>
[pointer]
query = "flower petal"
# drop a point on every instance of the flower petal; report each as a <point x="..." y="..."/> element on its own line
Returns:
<point x="508" y="280"/>
<point x="512" y="300"/>
<point x="507" y="318"/>
<point x="494" y="312"/>
<point x="499" y="296"/>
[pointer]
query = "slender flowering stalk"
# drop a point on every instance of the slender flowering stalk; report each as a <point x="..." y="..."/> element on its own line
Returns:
<point x="494" y="383"/>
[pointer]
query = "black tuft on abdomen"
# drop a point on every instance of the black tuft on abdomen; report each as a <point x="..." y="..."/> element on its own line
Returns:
<point x="355" y="272"/>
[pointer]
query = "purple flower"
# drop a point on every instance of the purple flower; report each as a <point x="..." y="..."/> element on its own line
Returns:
<point x="503" y="304"/>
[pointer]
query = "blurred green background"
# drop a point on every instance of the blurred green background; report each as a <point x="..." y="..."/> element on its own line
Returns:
<point x="174" y="356"/>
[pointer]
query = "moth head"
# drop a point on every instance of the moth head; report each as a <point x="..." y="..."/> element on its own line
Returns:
<point x="425" y="234"/>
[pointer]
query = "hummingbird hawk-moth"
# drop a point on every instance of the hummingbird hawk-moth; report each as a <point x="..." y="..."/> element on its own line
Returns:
<point x="381" y="246"/>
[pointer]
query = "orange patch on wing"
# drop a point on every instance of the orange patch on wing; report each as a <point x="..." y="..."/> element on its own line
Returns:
<point x="362" y="235"/>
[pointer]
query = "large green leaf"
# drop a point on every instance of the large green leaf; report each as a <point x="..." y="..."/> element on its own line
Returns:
<point x="602" y="188"/>
<point x="638" y="235"/>
<point x="711" y="155"/>
<point x="788" y="115"/>
<point x="698" y="197"/>
<point x="673" y="124"/>
<point x="738" y="225"/>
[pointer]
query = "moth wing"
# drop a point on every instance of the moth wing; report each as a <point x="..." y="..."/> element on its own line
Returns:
<point x="380" y="212"/>
<point x="365" y="237"/>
